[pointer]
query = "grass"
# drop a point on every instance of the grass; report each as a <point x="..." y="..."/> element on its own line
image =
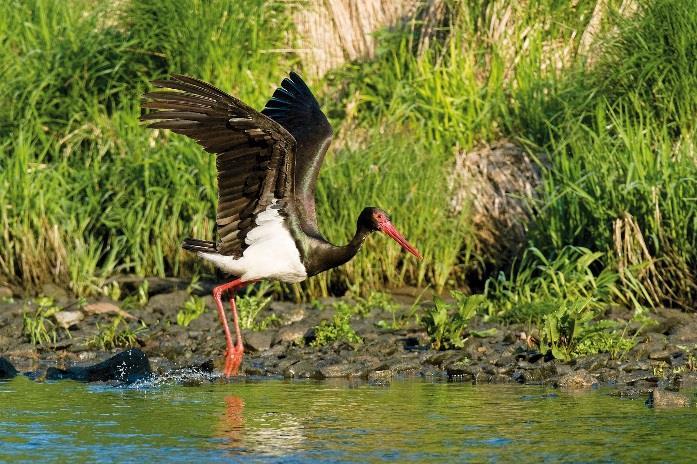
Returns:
<point x="338" y="329"/>
<point x="193" y="308"/>
<point x="37" y="325"/>
<point x="116" y="334"/>
<point x="86" y="192"/>
<point x="250" y="306"/>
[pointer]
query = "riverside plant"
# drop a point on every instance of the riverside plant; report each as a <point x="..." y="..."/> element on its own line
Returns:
<point x="193" y="308"/>
<point x="38" y="325"/>
<point x="338" y="328"/>
<point x="116" y="334"/>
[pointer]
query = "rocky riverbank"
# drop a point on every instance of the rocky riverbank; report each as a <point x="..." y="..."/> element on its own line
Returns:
<point x="390" y="344"/>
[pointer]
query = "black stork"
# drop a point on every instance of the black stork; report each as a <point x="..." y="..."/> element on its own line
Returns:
<point x="267" y="165"/>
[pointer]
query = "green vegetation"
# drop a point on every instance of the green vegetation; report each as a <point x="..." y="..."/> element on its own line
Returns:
<point x="447" y="327"/>
<point x="192" y="310"/>
<point x="116" y="334"/>
<point x="250" y="306"/>
<point x="37" y="324"/>
<point x="338" y="328"/>
<point x="610" y="100"/>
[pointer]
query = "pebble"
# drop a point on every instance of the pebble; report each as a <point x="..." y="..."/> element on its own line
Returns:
<point x="67" y="319"/>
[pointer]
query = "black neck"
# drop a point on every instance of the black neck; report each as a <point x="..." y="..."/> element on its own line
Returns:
<point x="323" y="255"/>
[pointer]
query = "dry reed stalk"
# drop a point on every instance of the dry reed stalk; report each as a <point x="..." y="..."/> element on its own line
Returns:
<point x="332" y="32"/>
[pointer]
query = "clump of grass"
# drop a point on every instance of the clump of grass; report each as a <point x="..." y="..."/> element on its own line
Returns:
<point x="193" y="308"/>
<point x="538" y="286"/>
<point x="338" y="328"/>
<point x="37" y="325"/>
<point x="447" y="324"/>
<point x="116" y="334"/>
<point x="571" y="331"/>
<point x="252" y="304"/>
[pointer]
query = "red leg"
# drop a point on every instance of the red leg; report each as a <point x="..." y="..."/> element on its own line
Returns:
<point x="233" y="354"/>
<point x="238" y="350"/>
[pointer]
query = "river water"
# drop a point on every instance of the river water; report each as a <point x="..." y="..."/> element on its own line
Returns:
<point x="278" y="421"/>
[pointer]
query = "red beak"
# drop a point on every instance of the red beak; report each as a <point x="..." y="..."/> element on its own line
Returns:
<point x="389" y="229"/>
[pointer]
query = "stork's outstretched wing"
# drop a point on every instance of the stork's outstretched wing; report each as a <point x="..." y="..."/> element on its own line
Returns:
<point x="296" y="109"/>
<point x="254" y="154"/>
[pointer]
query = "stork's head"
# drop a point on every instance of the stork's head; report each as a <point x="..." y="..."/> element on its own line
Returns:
<point x="375" y="219"/>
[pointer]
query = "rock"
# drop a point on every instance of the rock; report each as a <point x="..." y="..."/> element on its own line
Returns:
<point x="661" y="355"/>
<point x="168" y="303"/>
<point x="341" y="369"/>
<point x="54" y="292"/>
<point x="7" y="370"/>
<point x="156" y="285"/>
<point x="684" y="334"/>
<point x="127" y="366"/>
<point x="638" y="376"/>
<point x="6" y="343"/>
<point x="292" y="332"/>
<point x="688" y="379"/>
<point x="5" y="292"/>
<point x="304" y="369"/>
<point x="667" y="399"/>
<point x="106" y="308"/>
<point x="257" y="341"/>
<point x="67" y="319"/>
<point x="577" y="379"/>
<point x="669" y="320"/>
<point x="459" y="370"/>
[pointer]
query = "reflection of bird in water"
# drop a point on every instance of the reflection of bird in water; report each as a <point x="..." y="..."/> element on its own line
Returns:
<point x="231" y="427"/>
<point x="270" y="433"/>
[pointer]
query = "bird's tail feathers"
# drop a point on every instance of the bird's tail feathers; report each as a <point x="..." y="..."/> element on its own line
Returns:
<point x="196" y="245"/>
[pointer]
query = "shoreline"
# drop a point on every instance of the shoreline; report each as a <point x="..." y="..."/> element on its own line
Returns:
<point x="390" y="345"/>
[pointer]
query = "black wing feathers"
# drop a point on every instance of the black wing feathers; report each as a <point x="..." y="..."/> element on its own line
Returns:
<point x="253" y="153"/>
<point x="295" y="108"/>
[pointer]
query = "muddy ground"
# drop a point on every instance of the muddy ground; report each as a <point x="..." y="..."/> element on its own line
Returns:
<point x="663" y="358"/>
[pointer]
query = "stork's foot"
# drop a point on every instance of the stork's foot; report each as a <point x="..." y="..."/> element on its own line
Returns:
<point x="233" y="360"/>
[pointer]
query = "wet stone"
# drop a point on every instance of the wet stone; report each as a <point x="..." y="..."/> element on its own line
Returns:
<point x="662" y="355"/>
<point x="577" y="380"/>
<point x="7" y="370"/>
<point x="304" y="369"/>
<point x="593" y="363"/>
<point x="339" y="370"/>
<point x="127" y="366"/>
<point x="667" y="399"/>
<point x="257" y="341"/>
<point x="637" y="376"/>
<point x="293" y="332"/>
<point x="688" y="380"/>
<point x="459" y="370"/>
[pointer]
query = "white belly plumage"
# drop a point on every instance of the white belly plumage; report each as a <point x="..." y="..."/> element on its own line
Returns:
<point x="271" y="252"/>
